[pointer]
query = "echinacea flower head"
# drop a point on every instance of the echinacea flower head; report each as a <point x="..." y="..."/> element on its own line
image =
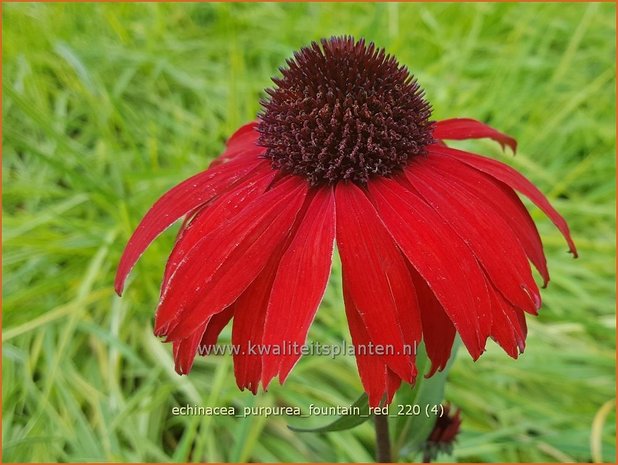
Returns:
<point x="443" y="435"/>
<point x="433" y="241"/>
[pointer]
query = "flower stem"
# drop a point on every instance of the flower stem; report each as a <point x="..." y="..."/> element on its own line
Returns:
<point x="383" y="442"/>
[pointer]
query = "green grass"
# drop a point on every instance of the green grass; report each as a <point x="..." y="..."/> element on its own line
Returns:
<point x="106" y="106"/>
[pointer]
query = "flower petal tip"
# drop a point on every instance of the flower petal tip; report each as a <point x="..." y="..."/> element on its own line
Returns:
<point x="476" y="355"/>
<point x="181" y="371"/>
<point x="119" y="281"/>
<point x="434" y="369"/>
<point x="162" y="330"/>
<point x="266" y="382"/>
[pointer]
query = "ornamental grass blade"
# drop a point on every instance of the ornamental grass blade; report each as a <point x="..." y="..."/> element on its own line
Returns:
<point x="344" y="422"/>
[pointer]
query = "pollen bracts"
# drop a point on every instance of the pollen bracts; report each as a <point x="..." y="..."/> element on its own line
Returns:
<point x="433" y="241"/>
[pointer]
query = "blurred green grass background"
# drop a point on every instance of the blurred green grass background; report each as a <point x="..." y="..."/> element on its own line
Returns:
<point x="106" y="106"/>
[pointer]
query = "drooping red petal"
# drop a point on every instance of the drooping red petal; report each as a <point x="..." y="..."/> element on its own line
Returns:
<point x="503" y="199"/>
<point x="223" y="263"/>
<point x="371" y="368"/>
<point x="185" y="351"/>
<point x="376" y="277"/>
<point x="392" y="384"/>
<point x="244" y="136"/>
<point x="200" y="341"/>
<point x="248" y="327"/>
<point x="483" y="230"/>
<point x="215" y="325"/>
<point x="214" y="215"/>
<point x="517" y="181"/>
<point x="299" y="284"/>
<point x="176" y="203"/>
<point x="242" y="143"/>
<point x="508" y="325"/>
<point x="250" y="316"/>
<point x="440" y="257"/>
<point x="466" y="128"/>
<point x="438" y="330"/>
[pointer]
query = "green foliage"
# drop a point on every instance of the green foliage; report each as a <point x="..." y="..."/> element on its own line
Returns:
<point x="415" y="417"/>
<point x="343" y="422"/>
<point x="105" y="106"/>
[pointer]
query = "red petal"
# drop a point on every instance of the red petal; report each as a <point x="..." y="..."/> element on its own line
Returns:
<point x="186" y="222"/>
<point x="185" y="351"/>
<point x="250" y="316"/>
<point x="438" y="331"/>
<point x="215" y="325"/>
<point x="439" y="256"/>
<point x="242" y="143"/>
<point x="515" y="180"/>
<point x="176" y="203"/>
<point x="245" y="135"/>
<point x="214" y="215"/>
<point x="504" y="201"/>
<point x="508" y="325"/>
<point x="466" y="128"/>
<point x="206" y="336"/>
<point x="300" y="284"/>
<point x="371" y="368"/>
<point x="221" y="266"/>
<point x="248" y="327"/>
<point x="483" y="230"/>
<point x="377" y="279"/>
<point x="392" y="384"/>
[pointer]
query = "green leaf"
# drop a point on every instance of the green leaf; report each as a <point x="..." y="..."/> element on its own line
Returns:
<point x="412" y="430"/>
<point x="344" y="422"/>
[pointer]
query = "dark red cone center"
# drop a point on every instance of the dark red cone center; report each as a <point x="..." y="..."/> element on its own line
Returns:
<point x="343" y="110"/>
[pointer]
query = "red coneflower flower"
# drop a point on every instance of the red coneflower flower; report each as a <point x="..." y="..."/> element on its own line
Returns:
<point x="432" y="240"/>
